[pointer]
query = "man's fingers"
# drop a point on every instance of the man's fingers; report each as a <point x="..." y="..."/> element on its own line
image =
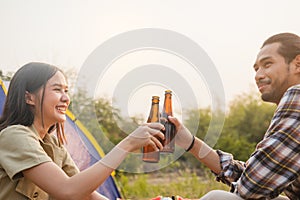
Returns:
<point x="174" y="120"/>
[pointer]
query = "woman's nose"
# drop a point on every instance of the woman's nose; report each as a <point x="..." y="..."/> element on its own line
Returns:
<point x="65" y="98"/>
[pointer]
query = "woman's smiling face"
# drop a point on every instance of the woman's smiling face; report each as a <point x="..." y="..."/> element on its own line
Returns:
<point x="55" y="101"/>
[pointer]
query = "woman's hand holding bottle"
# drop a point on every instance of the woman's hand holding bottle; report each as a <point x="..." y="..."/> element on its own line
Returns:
<point x="142" y="136"/>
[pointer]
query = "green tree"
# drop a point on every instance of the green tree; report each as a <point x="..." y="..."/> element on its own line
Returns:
<point x="109" y="119"/>
<point x="101" y="118"/>
<point x="5" y="77"/>
<point x="204" y="115"/>
<point x="245" y="125"/>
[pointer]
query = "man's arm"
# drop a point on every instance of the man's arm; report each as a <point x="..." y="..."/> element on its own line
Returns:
<point x="211" y="159"/>
<point x="222" y="164"/>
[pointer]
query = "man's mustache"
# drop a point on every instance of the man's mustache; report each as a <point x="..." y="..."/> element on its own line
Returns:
<point x="263" y="81"/>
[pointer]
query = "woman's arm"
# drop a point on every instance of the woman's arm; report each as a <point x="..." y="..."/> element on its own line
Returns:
<point x="96" y="196"/>
<point x="52" y="179"/>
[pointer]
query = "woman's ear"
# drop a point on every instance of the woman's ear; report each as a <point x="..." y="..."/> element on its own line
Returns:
<point x="29" y="98"/>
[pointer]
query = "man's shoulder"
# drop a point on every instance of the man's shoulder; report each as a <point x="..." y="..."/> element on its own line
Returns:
<point x="291" y="97"/>
<point x="296" y="87"/>
<point x="293" y="90"/>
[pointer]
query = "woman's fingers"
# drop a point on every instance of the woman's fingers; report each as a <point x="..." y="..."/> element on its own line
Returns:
<point x="156" y="125"/>
<point x="157" y="133"/>
<point x="147" y="134"/>
<point x="157" y="143"/>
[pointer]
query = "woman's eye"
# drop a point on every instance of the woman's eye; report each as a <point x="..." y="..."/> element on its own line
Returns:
<point x="57" y="89"/>
<point x="61" y="90"/>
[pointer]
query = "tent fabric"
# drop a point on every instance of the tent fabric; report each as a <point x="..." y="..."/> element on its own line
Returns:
<point x="81" y="145"/>
<point x="2" y="95"/>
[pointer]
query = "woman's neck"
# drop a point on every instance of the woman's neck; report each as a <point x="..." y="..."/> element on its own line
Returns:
<point x="40" y="128"/>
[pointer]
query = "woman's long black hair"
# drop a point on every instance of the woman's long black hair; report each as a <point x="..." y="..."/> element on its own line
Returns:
<point x="29" y="78"/>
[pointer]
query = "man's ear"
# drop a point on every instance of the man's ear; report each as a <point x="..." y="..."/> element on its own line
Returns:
<point x="29" y="98"/>
<point x="297" y="63"/>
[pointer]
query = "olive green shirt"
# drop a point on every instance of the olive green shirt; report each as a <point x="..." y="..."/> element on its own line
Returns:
<point x="21" y="148"/>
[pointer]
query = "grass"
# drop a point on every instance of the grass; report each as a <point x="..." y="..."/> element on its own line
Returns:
<point x="147" y="186"/>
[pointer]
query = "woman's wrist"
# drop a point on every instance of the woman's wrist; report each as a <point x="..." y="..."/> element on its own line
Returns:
<point x="126" y="145"/>
<point x="115" y="157"/>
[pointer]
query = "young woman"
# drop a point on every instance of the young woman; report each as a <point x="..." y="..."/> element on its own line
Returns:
<point x="34" y="163"/>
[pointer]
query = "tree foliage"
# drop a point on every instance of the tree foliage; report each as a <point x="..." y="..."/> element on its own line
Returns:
<point x="5" y="77"/>
<point x="246" y="121"/>
<point x="245" y="125"/>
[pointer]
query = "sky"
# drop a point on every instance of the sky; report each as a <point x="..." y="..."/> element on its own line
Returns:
<point x="66" y="32"/>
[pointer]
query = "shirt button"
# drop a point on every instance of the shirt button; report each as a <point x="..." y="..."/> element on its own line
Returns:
<point x="35" y="195"/>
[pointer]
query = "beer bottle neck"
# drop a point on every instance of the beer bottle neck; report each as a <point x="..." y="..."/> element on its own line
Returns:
<point x="167" y="109"/>
<point x="154" y="112"/>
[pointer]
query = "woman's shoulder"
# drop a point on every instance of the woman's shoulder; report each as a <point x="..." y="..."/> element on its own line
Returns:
<point x="16" y="131"/>
<point x="17" y="127"/>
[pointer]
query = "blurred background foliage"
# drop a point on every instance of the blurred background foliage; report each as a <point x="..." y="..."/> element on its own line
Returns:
<point x="246" y="120"/>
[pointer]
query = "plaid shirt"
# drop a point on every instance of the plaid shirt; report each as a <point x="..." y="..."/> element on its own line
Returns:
<point x="274" y="167"/>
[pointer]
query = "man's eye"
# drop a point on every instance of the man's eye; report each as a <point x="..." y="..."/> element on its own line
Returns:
<point x="268" y="64"/>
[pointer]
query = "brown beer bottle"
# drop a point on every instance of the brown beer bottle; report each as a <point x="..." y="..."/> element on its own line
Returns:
<point x="169" y="141"/>
<point x="149" y="154"/>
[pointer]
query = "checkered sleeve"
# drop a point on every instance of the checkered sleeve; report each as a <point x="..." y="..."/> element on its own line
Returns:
<point x="231" y="169"/>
